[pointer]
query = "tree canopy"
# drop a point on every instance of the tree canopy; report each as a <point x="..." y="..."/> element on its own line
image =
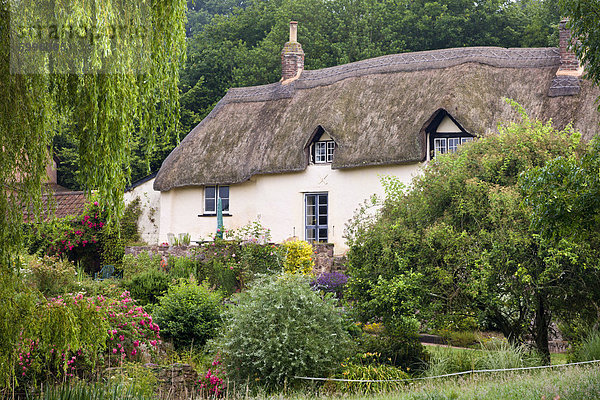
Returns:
<point x="461" y="248"/>
<point x="100" y="69"/>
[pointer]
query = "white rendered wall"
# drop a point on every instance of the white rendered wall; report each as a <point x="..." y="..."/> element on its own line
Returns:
<point x="277" y="201"/>
<point x="149" y="219"/>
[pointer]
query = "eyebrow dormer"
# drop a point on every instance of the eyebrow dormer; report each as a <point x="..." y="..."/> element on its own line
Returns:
<point x="321" y="147"/>
<point x="445" y="134"/>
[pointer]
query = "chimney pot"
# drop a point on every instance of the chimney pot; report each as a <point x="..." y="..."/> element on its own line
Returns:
<point x="293" y="31"/>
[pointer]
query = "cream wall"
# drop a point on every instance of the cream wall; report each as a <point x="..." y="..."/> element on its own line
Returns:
<point x="447" y="126"/>
<point x="277" y="201"/>
<point x="150" y="205"/>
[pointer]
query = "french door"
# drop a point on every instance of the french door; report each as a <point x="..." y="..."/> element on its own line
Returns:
<point x="316" y="217"/>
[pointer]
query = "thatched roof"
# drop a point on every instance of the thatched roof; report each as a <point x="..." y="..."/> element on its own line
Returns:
<point x="375" y="109"/>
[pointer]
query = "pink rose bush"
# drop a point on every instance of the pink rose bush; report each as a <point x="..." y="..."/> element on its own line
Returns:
<point x="212" y="382"/>
<point x="132" y="331"/>
<point x="78" y="334"/>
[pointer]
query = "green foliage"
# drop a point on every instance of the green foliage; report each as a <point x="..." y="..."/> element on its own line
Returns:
<point x="182" y="267"/>
<point x="113" y="248"/>
<point x="16" y="319"/>
<point x="396" y="343"/>
<point x="588" y="349"/>
<point x="500" y="354"/>
<point x="493" y="355"/>
<point x="369" y="371"/>
<point x="146" y="287"/>
<point x="90" y="91"/>
<point x="96" y="391"/>
<point x="129" y="221"/>
<point x="258" y="259"/>
<point x="133" y="265"/>
<point x="460" y="242"/>
<point x="49" y="275"/>
<point x="67" y="337"/>
<point x="135" y="378"/>
<point x="298" y="257"/>
<point x="189" y="314"/>
<point x="281" y="328"/>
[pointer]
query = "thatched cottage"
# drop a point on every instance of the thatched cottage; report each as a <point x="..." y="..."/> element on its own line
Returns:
<point x="301" y="154"/>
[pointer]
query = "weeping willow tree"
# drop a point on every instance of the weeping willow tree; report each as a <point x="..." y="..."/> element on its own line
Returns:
<point x="104" y="70"/>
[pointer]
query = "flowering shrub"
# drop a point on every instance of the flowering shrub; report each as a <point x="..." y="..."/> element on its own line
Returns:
<point x="83" y="232"/>
<point x="73" y="238"/>
<point x="132" y="330"/>
<point x="298" y="257"/>
<point x="253" y="232"/>
<point x="69" y="334"/>
<point x="74" y="334"/>
<point x="333" y="282"/>
<point x="212" y="383"/>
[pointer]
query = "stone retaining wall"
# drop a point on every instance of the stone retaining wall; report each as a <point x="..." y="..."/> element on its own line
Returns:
<point x="324" y="259"/>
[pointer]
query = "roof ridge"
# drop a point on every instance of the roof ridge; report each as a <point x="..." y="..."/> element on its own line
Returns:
<point x="500" y="57"/>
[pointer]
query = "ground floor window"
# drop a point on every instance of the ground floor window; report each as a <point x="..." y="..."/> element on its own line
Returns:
<point x="211" y="194"/>
<point x="316" y="215"/>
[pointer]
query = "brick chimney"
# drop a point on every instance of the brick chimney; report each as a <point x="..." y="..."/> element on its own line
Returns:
<point x="566" y="81"/>
<point x="292" y="56"/>
<point x="569" y="64"/>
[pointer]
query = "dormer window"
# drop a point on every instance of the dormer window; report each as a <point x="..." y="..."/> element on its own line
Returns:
<point x="445" y="134"/>
<point x="323" y="151"/>
<point x="322" y="147"/>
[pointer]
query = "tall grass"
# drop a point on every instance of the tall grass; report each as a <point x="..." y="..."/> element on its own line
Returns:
<point x="572" y="383"/>
<point x="492" y="355"/>
<point x="85" y="391"/>
<point x="588" y="349"/>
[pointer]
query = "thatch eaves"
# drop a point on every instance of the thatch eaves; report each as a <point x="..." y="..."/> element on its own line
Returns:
<point x="376" y="109"/>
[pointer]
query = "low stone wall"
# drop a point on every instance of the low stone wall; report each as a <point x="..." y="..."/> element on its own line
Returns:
<point x="324" y="259"/>
<point x="166" y="251"/>
<point x="174" y="381"/>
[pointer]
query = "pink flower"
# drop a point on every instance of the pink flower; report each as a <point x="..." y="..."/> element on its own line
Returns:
<point x="95" y="203"/>
<point x="114" y="351"/>
<point x="121" y="338"/>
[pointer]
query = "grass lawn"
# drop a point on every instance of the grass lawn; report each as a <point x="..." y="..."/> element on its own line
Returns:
<point x="572" y="383"/>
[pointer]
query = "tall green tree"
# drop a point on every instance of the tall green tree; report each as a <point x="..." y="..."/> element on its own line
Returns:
<point x="101" y="70"/>
<point x="464" y="229"/>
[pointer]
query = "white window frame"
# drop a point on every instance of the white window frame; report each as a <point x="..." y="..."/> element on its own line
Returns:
<point x="217" y="191"/>
<point x="440" y="146"/>
<point x="323" y="151"/>
<point x="444" y="145"/>
<point x="453" y="144"/>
